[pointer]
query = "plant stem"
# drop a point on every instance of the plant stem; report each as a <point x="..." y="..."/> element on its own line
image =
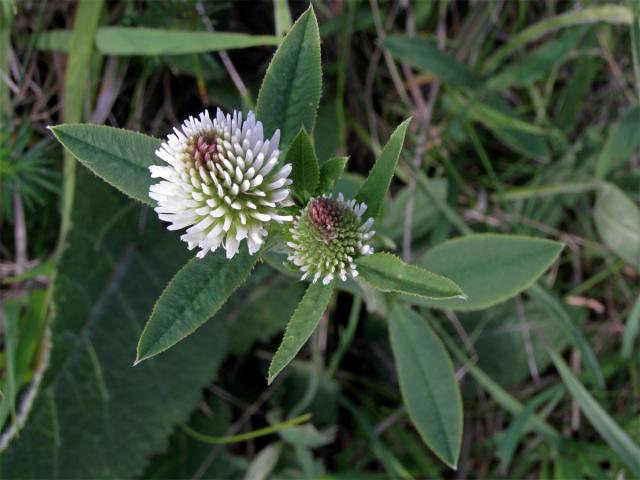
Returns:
<point x="80" y="48"/>
<point x="261" y="432"/>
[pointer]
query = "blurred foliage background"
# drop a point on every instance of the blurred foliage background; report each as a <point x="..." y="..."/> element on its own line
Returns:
<point x="526" y="120"/>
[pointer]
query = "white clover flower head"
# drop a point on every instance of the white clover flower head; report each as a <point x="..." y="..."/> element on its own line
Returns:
<point x="327" y="236"/>
<point x="221" y="182"/>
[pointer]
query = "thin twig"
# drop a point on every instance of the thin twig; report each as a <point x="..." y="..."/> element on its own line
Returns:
<point x="226" y="61"/>
<point x="20" y="233"/>
<point x="426" y="113"/>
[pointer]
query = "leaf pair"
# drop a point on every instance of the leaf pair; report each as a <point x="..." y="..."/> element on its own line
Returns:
<point x="383" y="271"/>
<point x="309" y="177"/>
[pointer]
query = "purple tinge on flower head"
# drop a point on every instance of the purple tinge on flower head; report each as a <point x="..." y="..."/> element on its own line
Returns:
<point x="222" y="182"/>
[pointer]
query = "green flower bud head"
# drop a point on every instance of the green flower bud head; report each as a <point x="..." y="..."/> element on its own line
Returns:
<point x="327" y="236"/>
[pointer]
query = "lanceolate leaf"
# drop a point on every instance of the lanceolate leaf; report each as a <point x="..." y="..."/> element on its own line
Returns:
<point x="489" y="268"/>
<point x="330" y="172"/>
<point x="158" y="41"/>
<point x="388" y="273"/>
<point x="192" y="297"/>
<point x="95" y="416"/>
<point x="616" y="437"/>
<point x="375" y="187"/>
<point x="306" y="171"/>
<point x="118" y="156"/>
<point x="302" y="324"/>
<point x="290" y="91"/>
<point x="428" y="383"/>
<point x="622" y="142"/>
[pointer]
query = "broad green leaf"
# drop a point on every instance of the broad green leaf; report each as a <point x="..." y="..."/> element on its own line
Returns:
<point x="193" y="296"/>
<point x="158" y="41"/>
<point x="95" y="416"/>
<point x="617" y="220"/>
<point x="377" y="183"/>
<point x="615" y="14"/>
<point x="388" y="273"/>
<point x="290" y="92"/>
<point x="622" y="142"/>
<point x="330" y="172"/>
<point x="306" y="171"/>
<point x="428" y="383"/>
<point x="489" y="268"/>
<point x="301" y="325"/>
<point x="618" y="440"/>
<point x="120" y="157"/>
<point x="428" y="58"/>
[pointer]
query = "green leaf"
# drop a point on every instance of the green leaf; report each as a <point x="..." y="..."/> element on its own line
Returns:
<point x="537" y="64"/>
<point x="120" y="157"/>
<point x="330" y="172"/>
<point x="290" y="91"/>
<point x="265" y="311"/>
<point x="95" y="416"/>
<point x="617" y="220"/>
<point x="631" y="331"/>
<point x="302" y="324"/>
<point x="56" y="40"/>
<point x="622" y="142"/>
<point x="425" y="211"/>
<point x="9" y="313"/>
<point x="326" y="131"/>
<point x="388" y="273"/>
<point x="428" y="383"/>
<point x="306" y="171"/>
<point x="282" y="16"/>
<point x="428" y="58"/>
<point x="516" y="133"/>
<point x="192" y="297"/>
<point x="158" y="41"/>
<point x="489" y="268"/>
<point x="618" y="440"/>
<point x="377" y="183"/>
